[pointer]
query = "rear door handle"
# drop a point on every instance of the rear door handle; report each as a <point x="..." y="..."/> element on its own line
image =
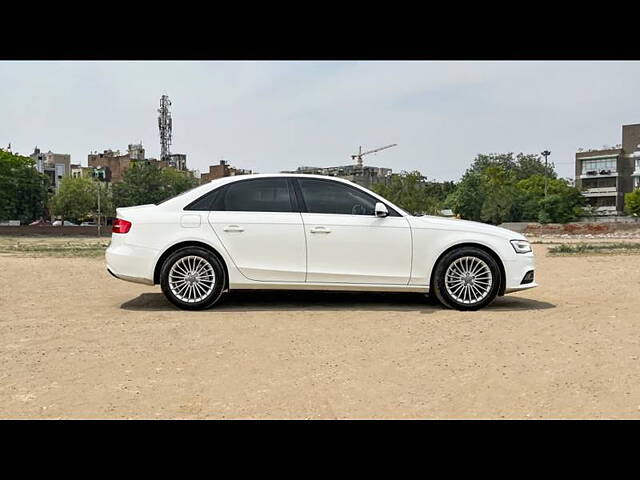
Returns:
<point x="233" y="228"/>
<point x="320" y="230"/>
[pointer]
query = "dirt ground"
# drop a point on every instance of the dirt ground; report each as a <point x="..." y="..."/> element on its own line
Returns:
<point x="77" y="343"/>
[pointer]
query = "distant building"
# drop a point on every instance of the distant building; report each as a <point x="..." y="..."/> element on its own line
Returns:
<point x="113" y="163"/>
<point x="606" y="174"/>
<point x="223" y="169"/>
<point x="55" y="165"/>
<point x="362" y="175"/>
<point x="136" y="151"/>
<point x="80" y="171"/>
<point x="178" y="161"/>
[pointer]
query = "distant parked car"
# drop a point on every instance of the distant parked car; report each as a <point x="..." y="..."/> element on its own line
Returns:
<point x="67" y="223"/>
<point x="310" y="232"/>
<point x="88" y="224"/>
<point x="41" y="222"/>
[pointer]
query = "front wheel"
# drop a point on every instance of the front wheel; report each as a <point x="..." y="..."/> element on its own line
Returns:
<point x="466" y="278"/>
<point x="192" y="278"/>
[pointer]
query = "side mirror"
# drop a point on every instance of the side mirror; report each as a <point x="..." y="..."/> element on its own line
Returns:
<point x="381" y="210"/>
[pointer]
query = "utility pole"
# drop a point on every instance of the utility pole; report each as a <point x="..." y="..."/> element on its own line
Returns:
<point x="545" y="154"/>
<point x="98" y="174"/>
<point x="99" y="223"/>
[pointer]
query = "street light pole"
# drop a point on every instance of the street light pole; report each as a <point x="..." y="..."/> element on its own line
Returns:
<point x="545" y="154"/>
<point x="99" y="225"/>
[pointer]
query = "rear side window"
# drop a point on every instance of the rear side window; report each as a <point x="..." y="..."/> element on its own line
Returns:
<point x="205" y="201"/>
<point x="263" y="195"/>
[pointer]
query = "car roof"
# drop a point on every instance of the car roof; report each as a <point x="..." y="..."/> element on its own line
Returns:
<point x="236" y="178"/>
<point x="191" y="195"/>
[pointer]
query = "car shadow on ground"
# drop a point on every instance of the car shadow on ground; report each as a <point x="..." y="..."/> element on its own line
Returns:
<point x="274" y="300"/>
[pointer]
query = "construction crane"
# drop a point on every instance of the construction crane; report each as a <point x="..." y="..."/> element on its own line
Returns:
<point x="361" y="154"/>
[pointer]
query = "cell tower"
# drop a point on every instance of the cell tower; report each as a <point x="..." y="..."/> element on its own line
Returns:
<point x="164" y="123"/>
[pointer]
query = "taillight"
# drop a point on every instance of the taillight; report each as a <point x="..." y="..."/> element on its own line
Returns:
<point x="120" y="226"/>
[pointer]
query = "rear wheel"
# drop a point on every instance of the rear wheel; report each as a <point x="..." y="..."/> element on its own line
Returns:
<point x="466" y="278"/>
<point x="192" y="278"/>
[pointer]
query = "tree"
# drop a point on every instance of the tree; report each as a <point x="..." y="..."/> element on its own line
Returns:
<point x="530" y="165"/>
<point x="23" y="190"/>
<point x="145" y="183"/>
<point x="468" y="197"/>
<point x="76" y="199"/>
<point x="563" y="204"/>
<point x="410" y="191"/>
<point x="632" y="203"/>
<point x="521" y="166"/>
<point x="176" y="181"/>
<point x="556" y="209"/>
<point x="500" y="195"/>
<point x="502" y="188"/>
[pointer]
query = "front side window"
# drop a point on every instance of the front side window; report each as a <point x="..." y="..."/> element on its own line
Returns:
<point x="322" y="196"/>
<point x="263" y="195"/>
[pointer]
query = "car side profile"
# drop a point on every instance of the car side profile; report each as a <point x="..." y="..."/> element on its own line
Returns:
<point x="287" y="231"/>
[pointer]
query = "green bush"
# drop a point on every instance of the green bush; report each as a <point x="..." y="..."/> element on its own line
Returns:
<point x="632" y="203"/>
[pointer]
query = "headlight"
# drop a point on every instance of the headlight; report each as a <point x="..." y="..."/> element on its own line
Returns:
<point x="521" y="246"/>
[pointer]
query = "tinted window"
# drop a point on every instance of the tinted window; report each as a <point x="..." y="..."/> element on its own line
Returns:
<point x="331" y="197"/>
<point x="204" y="202"/>
<point x="264" y="195"/>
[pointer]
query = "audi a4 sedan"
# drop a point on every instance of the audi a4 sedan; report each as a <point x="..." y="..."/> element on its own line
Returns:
<point x="296" y="232"/>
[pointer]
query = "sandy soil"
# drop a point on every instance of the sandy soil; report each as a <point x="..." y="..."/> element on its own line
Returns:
<point x="77" y="343"/>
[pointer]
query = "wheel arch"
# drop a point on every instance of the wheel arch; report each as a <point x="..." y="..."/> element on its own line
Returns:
<point x="189" y="243"/>
<point x="488" y="250"/>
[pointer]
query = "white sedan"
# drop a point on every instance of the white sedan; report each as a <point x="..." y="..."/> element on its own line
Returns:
<point x="294" y="232"/>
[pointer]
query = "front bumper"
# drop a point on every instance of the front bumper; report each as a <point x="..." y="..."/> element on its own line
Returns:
<point x="516" y="269"/>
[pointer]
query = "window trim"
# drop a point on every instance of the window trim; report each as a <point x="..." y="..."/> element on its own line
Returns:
<point x="304" y="209"/>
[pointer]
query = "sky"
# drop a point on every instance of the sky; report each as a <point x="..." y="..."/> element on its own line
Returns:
<point x="273" y="116"/>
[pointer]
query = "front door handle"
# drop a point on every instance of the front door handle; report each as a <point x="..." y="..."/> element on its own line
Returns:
<point x="233" y="228"/>
<point x="320" y="230"/>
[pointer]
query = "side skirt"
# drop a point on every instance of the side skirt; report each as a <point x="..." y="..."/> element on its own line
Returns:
<point x="353" y="287"/>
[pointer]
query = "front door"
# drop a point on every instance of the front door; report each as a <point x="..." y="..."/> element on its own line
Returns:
<point x="264" y="236"/>
<point x="346" y="242"/>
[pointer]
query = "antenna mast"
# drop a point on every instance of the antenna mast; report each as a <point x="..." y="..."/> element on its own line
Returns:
<point x="164" y="123"/>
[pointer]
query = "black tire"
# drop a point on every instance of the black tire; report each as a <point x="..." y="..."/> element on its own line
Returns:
<point x="444" y="295"/>
<point x="207" y="300"/>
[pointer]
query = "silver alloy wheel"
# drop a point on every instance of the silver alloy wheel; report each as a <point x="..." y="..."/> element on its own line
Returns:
<point x="191" y="279"/>
<point x="468" y="280"/>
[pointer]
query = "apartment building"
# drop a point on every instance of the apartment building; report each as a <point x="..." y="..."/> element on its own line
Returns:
<point x="55" y="165"/>
<point x="607" y="174"/>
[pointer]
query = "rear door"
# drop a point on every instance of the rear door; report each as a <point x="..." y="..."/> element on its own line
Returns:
<point x="346" y="242"/>
<point x="257" y="223"/>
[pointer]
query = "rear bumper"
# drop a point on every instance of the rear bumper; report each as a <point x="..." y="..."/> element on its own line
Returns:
<point x="131" y="279"/>
<point x="130" y="263"/>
